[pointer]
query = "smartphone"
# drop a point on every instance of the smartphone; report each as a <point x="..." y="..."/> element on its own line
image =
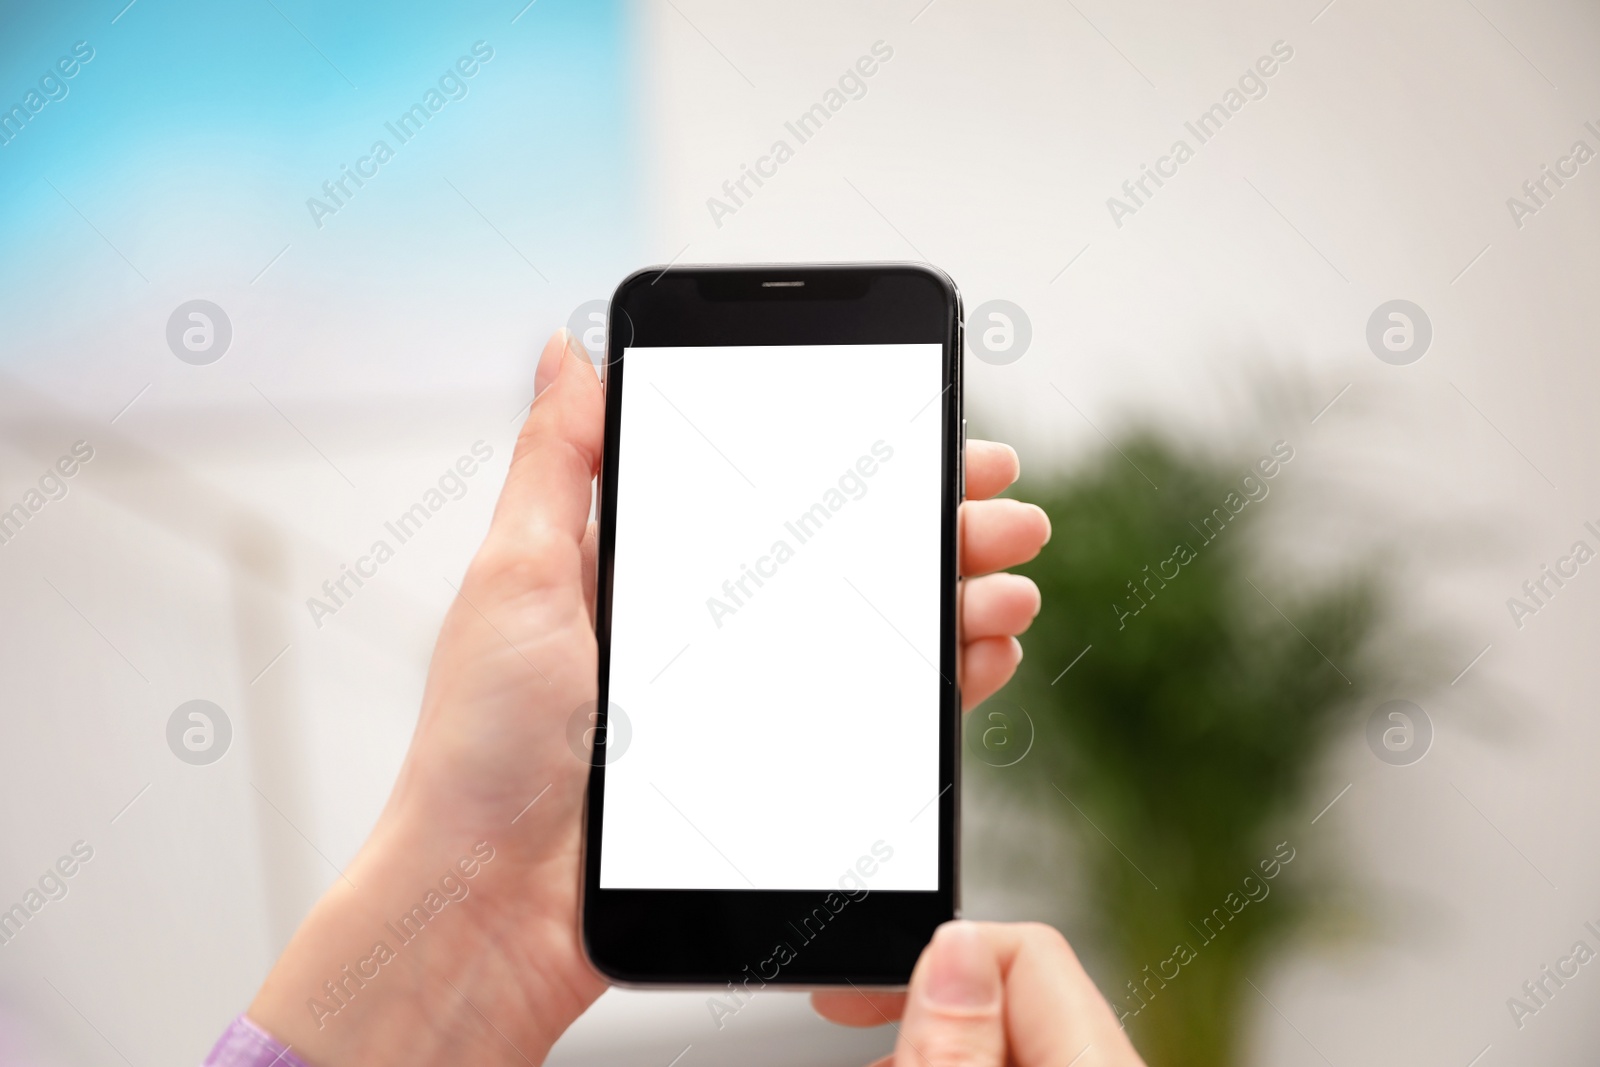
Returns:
<point x="773" y="794"/>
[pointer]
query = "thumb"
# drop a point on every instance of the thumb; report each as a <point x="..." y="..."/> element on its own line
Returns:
<point x="953" y="1015"/>
<point x="544" y="506"/>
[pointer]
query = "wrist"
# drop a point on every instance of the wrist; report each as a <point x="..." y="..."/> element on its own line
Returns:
<point x="437" y="945"/>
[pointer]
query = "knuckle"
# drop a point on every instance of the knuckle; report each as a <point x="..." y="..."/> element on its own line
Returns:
<point x="1044" y="933"/>
<point x="957" y="1042"/>
<point x="1050" y="940"/>
<point x="526" y="562"/>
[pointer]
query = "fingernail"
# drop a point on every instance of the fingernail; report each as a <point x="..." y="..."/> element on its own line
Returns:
<point x="961" y="970"/>
<point x="1023" y="586"/>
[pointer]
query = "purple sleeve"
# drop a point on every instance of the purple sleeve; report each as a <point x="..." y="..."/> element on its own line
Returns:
<point x="244" y="1044"/>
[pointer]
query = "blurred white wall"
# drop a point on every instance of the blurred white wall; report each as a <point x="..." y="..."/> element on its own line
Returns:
<point x="1376" y="167"/>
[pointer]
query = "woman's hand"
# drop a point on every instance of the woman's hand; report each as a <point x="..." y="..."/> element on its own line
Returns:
<point x="496" y="975"/>
<point x="993" y="995"/>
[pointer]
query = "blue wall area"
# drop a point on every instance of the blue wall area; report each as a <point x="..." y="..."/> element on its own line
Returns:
<point x="181" y="159"/>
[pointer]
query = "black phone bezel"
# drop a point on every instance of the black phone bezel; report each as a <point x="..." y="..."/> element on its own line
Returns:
<point x="714" y="937"/>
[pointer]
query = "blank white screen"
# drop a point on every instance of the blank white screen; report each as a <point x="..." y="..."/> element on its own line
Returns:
<point x="777" y="736"/>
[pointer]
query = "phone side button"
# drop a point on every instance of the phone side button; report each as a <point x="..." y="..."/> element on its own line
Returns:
<point x="961" y="460"/>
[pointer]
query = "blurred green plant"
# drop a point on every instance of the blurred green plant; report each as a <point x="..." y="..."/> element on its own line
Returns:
<point x="1175" y="747"/>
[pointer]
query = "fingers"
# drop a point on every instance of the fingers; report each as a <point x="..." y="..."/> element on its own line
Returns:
<point x="994" y="609"/>
<point x="996" y="534"/>
<point x="991" y="466"/>
<point x="987" y="664"/>
<point x="591" y="557"/>
<point x="856" y="1008"/>
<point x="544" y="506"/>
<point x="954" y="1015"/>
<point x="998" y="605"/>
<point x="1055" y="1015"/>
